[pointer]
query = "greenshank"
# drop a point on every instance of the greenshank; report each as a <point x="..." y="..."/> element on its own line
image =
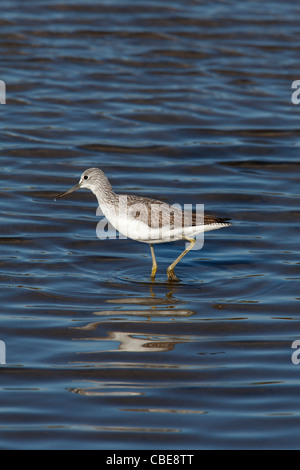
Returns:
<point x="145" y="219"/>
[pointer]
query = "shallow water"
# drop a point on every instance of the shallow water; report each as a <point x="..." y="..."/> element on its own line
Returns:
<point x="189" y="102"/>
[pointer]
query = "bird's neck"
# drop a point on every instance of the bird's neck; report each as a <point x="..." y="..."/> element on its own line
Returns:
<point x="104" y="193"/>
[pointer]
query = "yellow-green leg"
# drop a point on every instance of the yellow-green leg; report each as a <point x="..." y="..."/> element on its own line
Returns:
<point x="154" y="264"/>
<point x="170" y="270"/>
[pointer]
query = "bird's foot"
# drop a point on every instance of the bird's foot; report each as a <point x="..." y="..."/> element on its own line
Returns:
<point x="153" y="272"/>
<point x="172" y="276"/>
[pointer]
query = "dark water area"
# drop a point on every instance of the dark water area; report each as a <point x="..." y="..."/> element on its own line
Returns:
<point x="189" y="102"/>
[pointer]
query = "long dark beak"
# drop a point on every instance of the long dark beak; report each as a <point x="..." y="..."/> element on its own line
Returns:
<point x="77" y="186"/>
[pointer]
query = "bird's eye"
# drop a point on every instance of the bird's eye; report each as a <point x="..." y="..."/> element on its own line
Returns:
<point x="86" y="177"/>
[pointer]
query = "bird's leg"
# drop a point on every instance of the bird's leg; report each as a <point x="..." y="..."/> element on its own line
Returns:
<point x="170" y="270"/>
<point x="154" y="264"/>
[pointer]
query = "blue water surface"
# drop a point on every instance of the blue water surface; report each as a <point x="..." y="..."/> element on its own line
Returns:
<point x="188" y="102"/>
